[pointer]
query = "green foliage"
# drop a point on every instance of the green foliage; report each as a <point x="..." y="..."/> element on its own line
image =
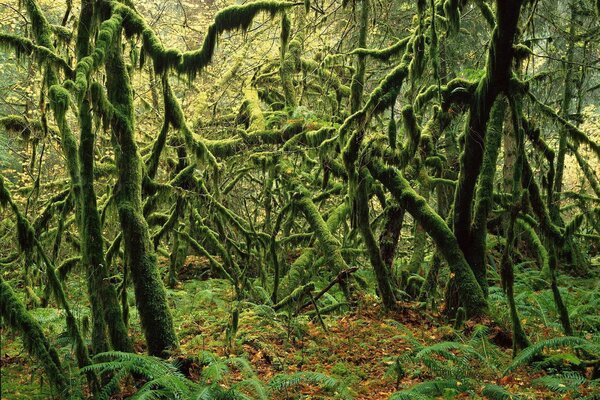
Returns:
<point x="535" y="350"/>
<point x="162" y="379"/>
<point x="429" y="390"/>
<point x="495" y="392"/>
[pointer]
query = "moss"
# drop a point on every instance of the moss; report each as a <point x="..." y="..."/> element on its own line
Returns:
<point x="495" y="80"/>
<point x="190" y="63"/>
<point x="16" y="316"/>
<point x="535" y="241"/>
<point x="329" y="78"/>
<point x="587" y="171"/>
<point x="24" y="47"/>
<point x="452" y="14"/>
<point x="484" y="197"/>
<point x="290" y="62"/>
<point x="29" y="129"/>
<point x="574" y="133"/>
<point x="151" y="299"/>
<point x="420" y="236"/>
<point x="471" y="294"/>
<point x="418" y="62"/>
<point x="386" y="53"/>
<point x="487" y="12"/>
<point x="382" y="273"/>
<point x="295" y="296"/>
<point x="286" y="27"/>
<point x="358" y="78"/>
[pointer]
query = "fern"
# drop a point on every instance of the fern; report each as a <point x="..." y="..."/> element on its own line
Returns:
<point x="535" y="350"/>
<point x="561" y="383"/>
<point x="283" y="382"/>
<point x="429" y="390"/>
<point x="444" y="363"/>
<point x="495" y="392"/>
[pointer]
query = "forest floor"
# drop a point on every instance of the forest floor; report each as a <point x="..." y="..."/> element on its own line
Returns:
<point x="360" y="348"/>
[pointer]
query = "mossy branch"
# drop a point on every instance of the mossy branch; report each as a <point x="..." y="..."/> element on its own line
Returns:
<point x="383" y="54"/>
<point x="191" y="62"/>
<point x="25" y="47"/>
<point x="575" y="134"/>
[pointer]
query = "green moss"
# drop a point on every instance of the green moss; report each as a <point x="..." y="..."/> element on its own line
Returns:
<point x="190" y="63"/>
<point x="574" y="133"/>
<point x="364" y="225"/>
<point x="537" y="244"/>
<point x="24" y="47"/>
<point x="386" y="53"/>
<point x="151" y="299"/>
<point x="16" y="316"/>
<point x="487" y="12"/>
<point x="469" y="290"/>
<point x="358" y="78"/>
<point x="484" y="197"/>
<point x="496" y="79"/>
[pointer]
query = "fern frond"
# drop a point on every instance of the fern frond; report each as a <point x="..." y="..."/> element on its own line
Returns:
<point x="532" y="351"/>
<point x="428" y="390"/>
<point x="495" y="392"/>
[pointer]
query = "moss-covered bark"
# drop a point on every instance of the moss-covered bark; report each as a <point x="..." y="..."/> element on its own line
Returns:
<point x="388" y="240"/>
<point x="470" y="292"/>
<point x="150" y="294"/>
<point x="100" y="288"/>
<point x="36" y="343"/>
<point x="382" y="274"/>
<point x="495" y="80"/>
<point x="485" y="194"/>
<point x="358" y="79"/>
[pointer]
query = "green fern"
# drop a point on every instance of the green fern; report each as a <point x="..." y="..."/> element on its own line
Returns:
<point x="430" y="390"/>
<point x="527" y="355"/>
<point x="564" y="382"/>
<point x="283" y="382"/>
<point x="495" y="392"/>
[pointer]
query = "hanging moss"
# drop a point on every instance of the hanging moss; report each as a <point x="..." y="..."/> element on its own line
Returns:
<point x="24" y="47"/>
<point x="190" y="63"/>
<point x="452" y="14"/>
<point x="29" y="129"/>
<point x="418" y="62"/>
<point x="574" y="133"/>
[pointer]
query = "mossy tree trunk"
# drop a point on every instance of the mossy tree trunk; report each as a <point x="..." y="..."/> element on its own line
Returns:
<point x="150" y="293"/>
<point x="388" y="240"/>
<point x="382" y="274"/>
<point x="470" y="292"/>
<point x="36" y="343"/>
<point x="99" y="286"/>
<point x="494" y="82"/>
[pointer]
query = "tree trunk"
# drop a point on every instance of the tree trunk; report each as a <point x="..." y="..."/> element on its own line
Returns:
<point x="150" y="294"/>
